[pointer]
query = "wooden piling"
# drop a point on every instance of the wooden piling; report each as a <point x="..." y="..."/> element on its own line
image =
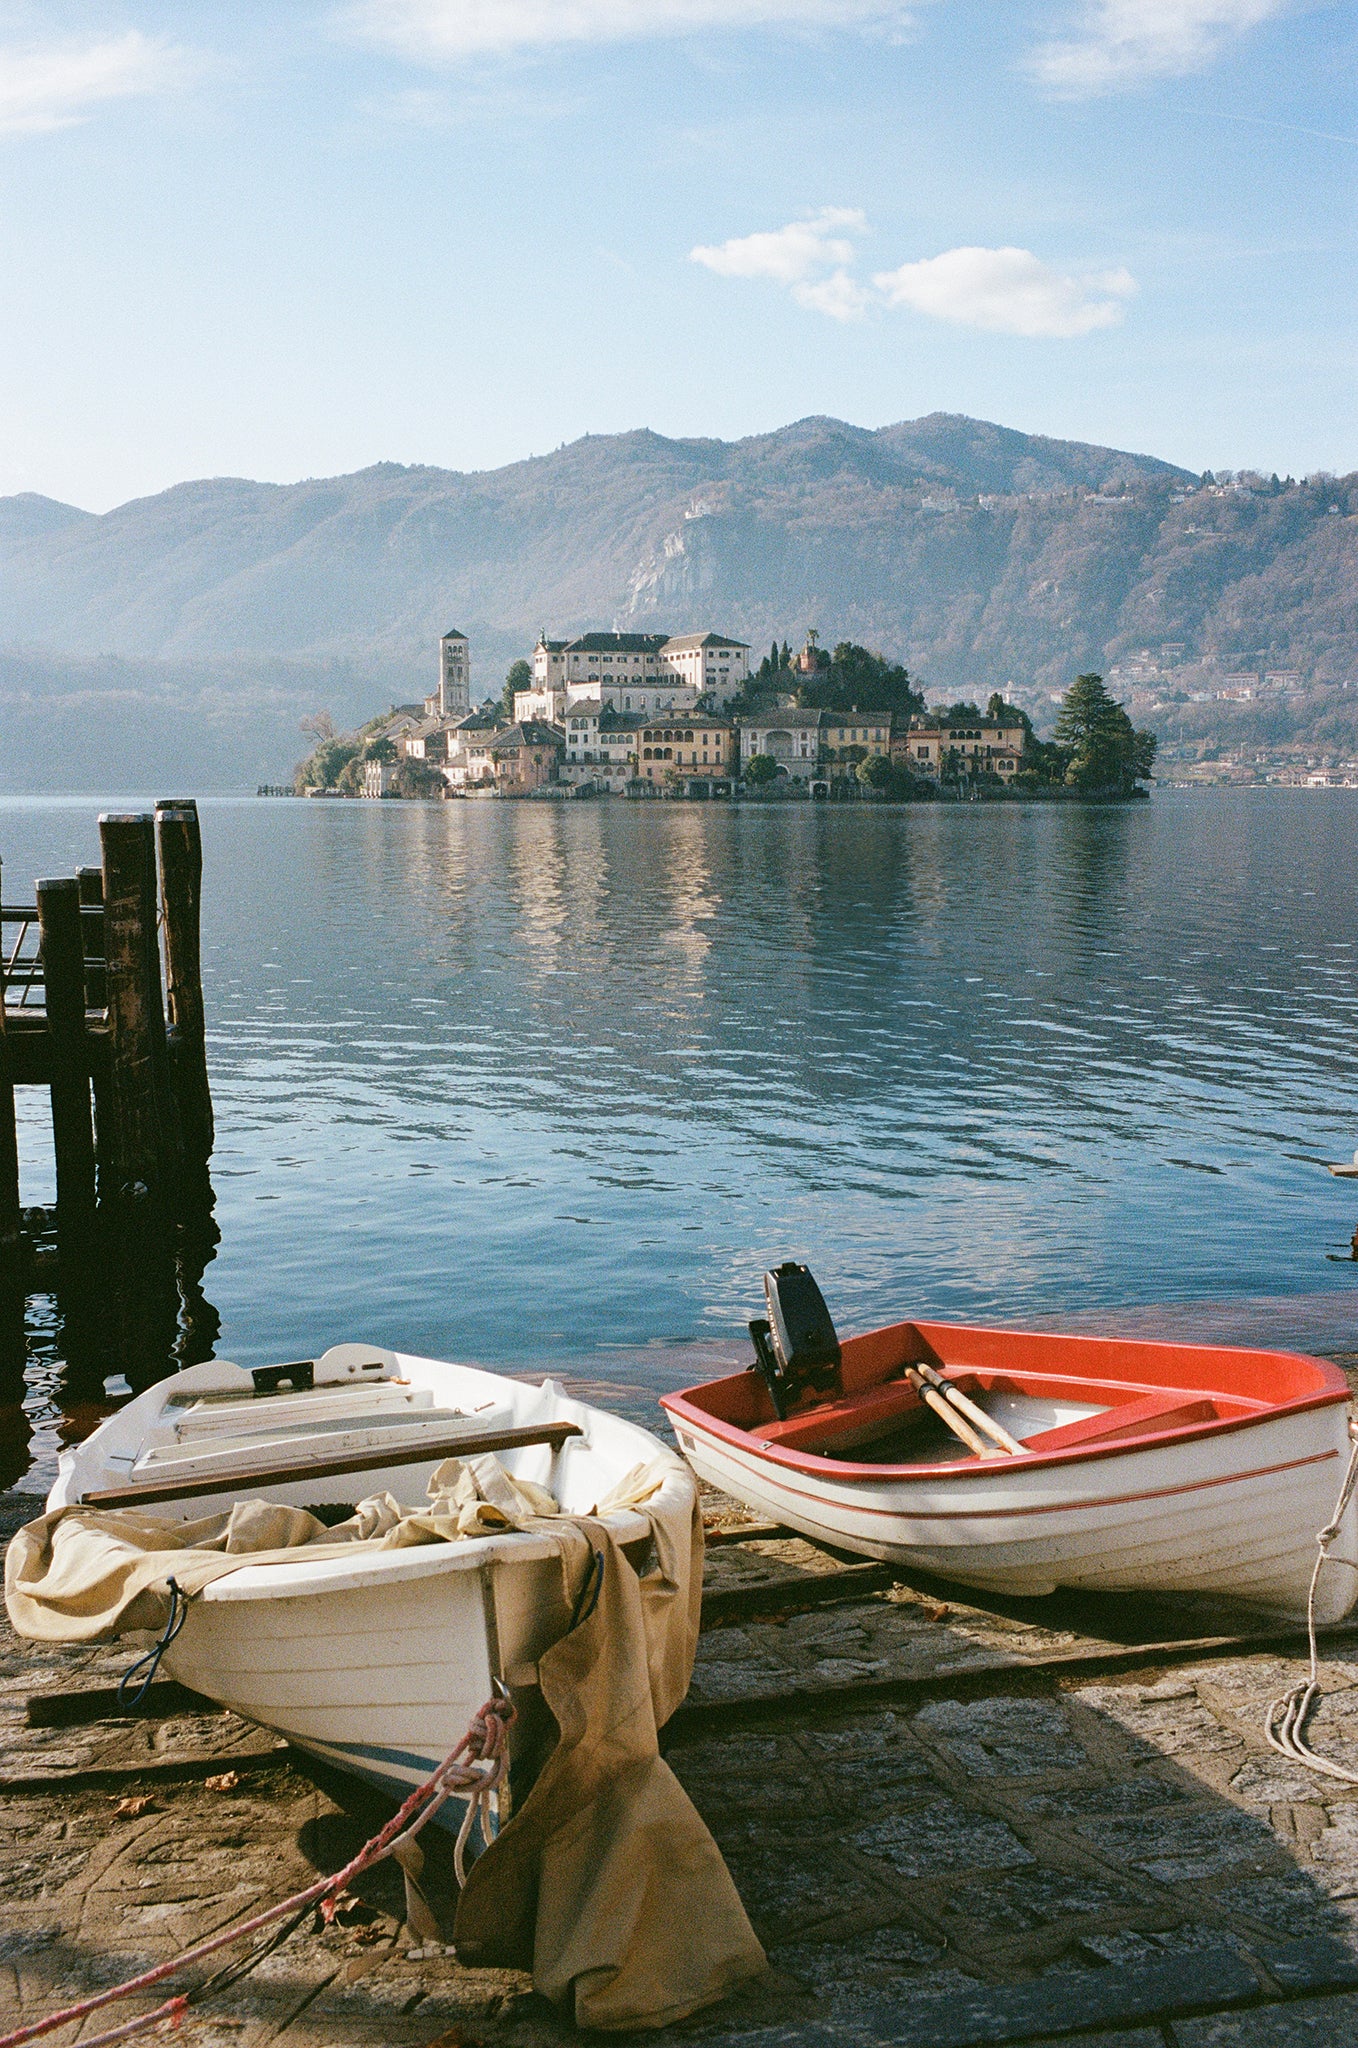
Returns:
<point x="181" y="888"/>
<point x="87" y="1017"/>
<point x="140" y="1141"/>
<point x="91" y="882"/>
<point x="9" y="1143"/>
<point x="63" y="972"/>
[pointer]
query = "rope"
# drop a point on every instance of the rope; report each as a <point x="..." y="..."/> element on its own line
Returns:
<point x="478" y="1765"/>
<point x="1285" y="1718"/>
<point x="179" y="1614"/>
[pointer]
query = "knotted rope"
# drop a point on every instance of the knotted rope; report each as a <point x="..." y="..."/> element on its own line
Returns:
<point x="477" y="1766"/>
<point x="1285" y="1718"/>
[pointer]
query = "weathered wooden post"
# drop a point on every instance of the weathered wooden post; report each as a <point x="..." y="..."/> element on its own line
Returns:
<point x="91" y="882"/>
<point x="9" y="1143"/>
<point x="63" y="973"/>
<point x="139" y="1138"/>
<point x="181" y="889"/>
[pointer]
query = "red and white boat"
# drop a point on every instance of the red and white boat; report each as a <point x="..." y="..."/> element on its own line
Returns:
<point x="1168" y="1468"/>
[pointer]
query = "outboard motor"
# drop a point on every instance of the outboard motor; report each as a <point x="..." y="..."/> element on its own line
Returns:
<point x="796" y="1350"/>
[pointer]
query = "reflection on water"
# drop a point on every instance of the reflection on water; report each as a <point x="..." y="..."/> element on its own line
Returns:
<point x="78" y="1344"/>
<point x="528" y="1083"/>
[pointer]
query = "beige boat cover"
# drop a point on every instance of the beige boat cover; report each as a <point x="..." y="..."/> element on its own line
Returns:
<point x="605" y="1883"/>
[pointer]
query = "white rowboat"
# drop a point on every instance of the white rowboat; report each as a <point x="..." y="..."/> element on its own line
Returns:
<point x="375" y="1662"/>
<point x="1141" y="1467"/>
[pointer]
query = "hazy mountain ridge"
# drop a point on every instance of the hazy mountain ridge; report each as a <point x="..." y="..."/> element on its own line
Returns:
<point x="977" y="554"/>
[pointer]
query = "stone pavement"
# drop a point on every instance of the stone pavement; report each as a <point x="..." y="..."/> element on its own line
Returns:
<point x="1010" y="1850"/>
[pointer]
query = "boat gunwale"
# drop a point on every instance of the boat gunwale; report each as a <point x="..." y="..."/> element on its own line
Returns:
<point x="302" y="1576"/>
<point x="683" y="1408"/>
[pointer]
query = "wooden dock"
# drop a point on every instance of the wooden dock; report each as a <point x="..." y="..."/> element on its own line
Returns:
<point x="92" y="1012"/>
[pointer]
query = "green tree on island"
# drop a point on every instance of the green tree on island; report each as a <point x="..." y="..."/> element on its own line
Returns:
<point x="520" y="677"/>
<point x="326" y="763"/>
<point x="855" y="679"/>
<point x="1105" y="754"/>
<point x="760" y="770"/>
<point x="417" y="779"/>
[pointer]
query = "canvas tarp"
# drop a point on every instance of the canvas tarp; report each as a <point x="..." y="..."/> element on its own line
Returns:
<point x="605" y="1883"/>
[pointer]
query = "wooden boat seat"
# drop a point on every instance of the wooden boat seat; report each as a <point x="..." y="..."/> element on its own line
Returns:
<point x="1146" y="1417"/>
<point x="858" y="1418"/>
<point x="850" y="1419"/>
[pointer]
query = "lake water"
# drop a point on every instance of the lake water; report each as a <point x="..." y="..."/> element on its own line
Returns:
<point x="549" y="1086"/>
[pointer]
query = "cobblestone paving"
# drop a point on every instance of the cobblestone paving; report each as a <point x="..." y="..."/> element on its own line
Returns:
<point x="1027" y="1856"/>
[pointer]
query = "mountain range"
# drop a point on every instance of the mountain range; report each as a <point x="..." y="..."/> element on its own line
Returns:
<point x="183" y="636"/>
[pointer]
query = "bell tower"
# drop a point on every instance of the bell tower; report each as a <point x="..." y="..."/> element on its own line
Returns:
<point x="455" y="675"/>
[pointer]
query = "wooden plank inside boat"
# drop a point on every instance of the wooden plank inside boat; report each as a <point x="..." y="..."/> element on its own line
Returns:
<point x="466" y="1445"/>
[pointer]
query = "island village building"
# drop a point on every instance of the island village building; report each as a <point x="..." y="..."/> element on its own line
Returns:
<point x="645" y="672"/>
<point x="988" y="746"/>
<point x="701" y="748"/>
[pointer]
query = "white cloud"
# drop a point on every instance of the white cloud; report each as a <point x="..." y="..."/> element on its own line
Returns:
<point x="44" y="87"/>
<point x="809" y="256"/>
<point x="442" y="29"/>
<point x="1008" y="291"/>
<point x="1122" y="42"/>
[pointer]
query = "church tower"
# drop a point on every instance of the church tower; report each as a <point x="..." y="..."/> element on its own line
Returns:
<point x="455" y="675"/>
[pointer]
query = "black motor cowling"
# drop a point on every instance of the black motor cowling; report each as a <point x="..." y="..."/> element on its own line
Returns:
<point x="796" y="1349"/>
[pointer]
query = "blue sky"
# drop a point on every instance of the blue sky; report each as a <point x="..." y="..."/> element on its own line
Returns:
<point x="289" y="240"/>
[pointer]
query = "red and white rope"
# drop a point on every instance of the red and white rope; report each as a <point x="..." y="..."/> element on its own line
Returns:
<point x="478" y="1765"/>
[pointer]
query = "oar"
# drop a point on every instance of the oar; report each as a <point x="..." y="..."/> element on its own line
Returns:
<point x="948" y="1414"/>
<point x="378" y="1459"/>
<point x="950" y="1402"/>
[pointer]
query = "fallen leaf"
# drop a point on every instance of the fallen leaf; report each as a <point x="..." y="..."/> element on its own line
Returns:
<point x="135" y="1804"/>
<point x="344" y="1907"/>
<point x="223" y="1781"/>
<point x="935" y="1611"/>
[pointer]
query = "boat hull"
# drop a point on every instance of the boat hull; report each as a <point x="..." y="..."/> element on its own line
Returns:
<point x="384" y="1676"/>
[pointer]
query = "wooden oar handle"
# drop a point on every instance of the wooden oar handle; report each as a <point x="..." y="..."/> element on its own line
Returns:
<point x="376" y="1460"/>
<point x="960" y="1429"/>
<point x="956" y="1399"/>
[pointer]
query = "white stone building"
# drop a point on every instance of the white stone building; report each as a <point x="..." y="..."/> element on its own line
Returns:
<point x="633" y="672"/>
<point x="791" y="736"/>
<point x="602" y="745"/>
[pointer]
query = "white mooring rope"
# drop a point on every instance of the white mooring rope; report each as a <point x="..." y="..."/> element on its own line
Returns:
<point x="1285" y="1718"/>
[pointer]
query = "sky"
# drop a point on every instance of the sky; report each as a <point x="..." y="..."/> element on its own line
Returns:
<point x="292" y="239"/>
